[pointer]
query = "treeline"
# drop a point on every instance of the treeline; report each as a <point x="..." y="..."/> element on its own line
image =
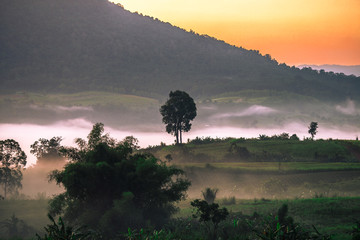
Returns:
<point x="69" y="46"/>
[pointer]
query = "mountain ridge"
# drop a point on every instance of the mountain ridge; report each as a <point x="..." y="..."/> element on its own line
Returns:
<point x="81" y="45"/>
<point x="345" y="69"/>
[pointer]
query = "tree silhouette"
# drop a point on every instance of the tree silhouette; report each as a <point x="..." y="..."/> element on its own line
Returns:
<point x="313" y="129"/>
<point x="110" y="187"/>
<point x="47" y="151"/>
<point x="12" y="159"/>
<point x="177" y="113"/>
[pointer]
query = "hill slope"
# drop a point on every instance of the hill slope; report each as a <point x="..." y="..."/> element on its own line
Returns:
<point x="73" y="45"/>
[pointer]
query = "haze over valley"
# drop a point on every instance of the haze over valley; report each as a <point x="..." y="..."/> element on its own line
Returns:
<point x="98" y="96"/>
<point x="66" y="65"/>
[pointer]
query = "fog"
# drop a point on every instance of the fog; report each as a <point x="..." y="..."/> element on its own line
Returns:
<point x="216" y="120"/>
<point x="250" y="111"/>
<point x="26" y="134"/>
<point x="348" y="109"/>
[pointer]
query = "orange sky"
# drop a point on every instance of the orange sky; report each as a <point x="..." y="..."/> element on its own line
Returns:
<point x="291" y="31"/>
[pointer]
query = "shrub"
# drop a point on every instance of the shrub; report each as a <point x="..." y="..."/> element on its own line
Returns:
<point x="210" y="214"/>
<point x="59" y="230"/>
<point x="228" y="201"/>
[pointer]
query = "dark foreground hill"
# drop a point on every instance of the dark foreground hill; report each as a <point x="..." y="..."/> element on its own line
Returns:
<point x="78" y="45"/>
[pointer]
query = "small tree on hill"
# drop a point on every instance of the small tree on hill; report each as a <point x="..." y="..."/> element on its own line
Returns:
<point x="177" y="113"/>
<point x="313" y="129"/>
<point x="12" y="160"/>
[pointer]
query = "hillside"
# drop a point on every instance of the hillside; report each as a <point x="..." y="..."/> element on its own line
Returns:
<point x="80" y="45"/>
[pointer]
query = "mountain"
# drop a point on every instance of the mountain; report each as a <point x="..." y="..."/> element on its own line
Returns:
<point x="79" y="45"/>
<point x="348" y="70"/>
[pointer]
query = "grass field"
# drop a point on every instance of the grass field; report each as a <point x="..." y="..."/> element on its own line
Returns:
<point x="276" y="167"/>
<point x="80" y="99"/>
<point x="335" y="216"/>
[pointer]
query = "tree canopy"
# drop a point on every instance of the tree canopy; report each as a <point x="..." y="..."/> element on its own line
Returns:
<point x="12" y="160"/>
<point x="177" y="113"/>
<point x="110" y="187"/>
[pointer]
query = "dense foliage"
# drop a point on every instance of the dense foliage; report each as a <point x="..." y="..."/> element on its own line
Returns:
<point x="106" y="181"/>
<point x="67" y="46"/>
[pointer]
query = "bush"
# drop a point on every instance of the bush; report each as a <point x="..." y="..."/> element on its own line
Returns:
<point x="228" y="201"/>
<point x="209" y="213"/>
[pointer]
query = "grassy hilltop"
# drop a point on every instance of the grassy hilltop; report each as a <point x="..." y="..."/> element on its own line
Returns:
<point x="272" y="168"/>
<point x="279" y="148"/>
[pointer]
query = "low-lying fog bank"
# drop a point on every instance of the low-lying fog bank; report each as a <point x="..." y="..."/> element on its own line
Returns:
<point x="26" y="134"/>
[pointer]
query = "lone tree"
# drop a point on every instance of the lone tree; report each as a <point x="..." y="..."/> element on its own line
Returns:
<point x="110" y="187"/>
<point x="177" y="113"/>
<point x="313" y="129"/>
<point x="12" y="160"/>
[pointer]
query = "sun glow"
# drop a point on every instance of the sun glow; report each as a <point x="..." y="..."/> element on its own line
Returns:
<point x="313" y="32"/>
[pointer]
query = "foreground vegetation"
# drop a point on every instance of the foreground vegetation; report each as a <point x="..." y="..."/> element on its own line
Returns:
<point x="113" y="190"/>
<point x="331" y="216"/>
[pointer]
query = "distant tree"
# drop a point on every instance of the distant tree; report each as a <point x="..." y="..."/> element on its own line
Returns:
<point x="209" y="194"/>
<point x="108" y="186"/>
<point x="177" y="113"/>
<point x="284" y="136"/>
<point x="313" y="129"/>
<point x="12" y="160"/>
<point x="47" y="151"/>
<point x="294" y="137"/>
<point x="264" y="137"/>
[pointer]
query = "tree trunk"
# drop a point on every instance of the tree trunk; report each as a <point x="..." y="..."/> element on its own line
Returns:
<point x="177" y="136"/>
<point x="180" y="135"/>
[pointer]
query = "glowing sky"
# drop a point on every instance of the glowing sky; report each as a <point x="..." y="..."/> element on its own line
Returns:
<point x="292" y="31"/>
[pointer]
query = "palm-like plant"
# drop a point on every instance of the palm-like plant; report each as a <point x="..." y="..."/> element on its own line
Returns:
<point x="209" y="194"/>
<point x="60" y="231"/>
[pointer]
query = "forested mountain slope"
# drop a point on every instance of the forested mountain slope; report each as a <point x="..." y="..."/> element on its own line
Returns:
<point x="80" y="45"/>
